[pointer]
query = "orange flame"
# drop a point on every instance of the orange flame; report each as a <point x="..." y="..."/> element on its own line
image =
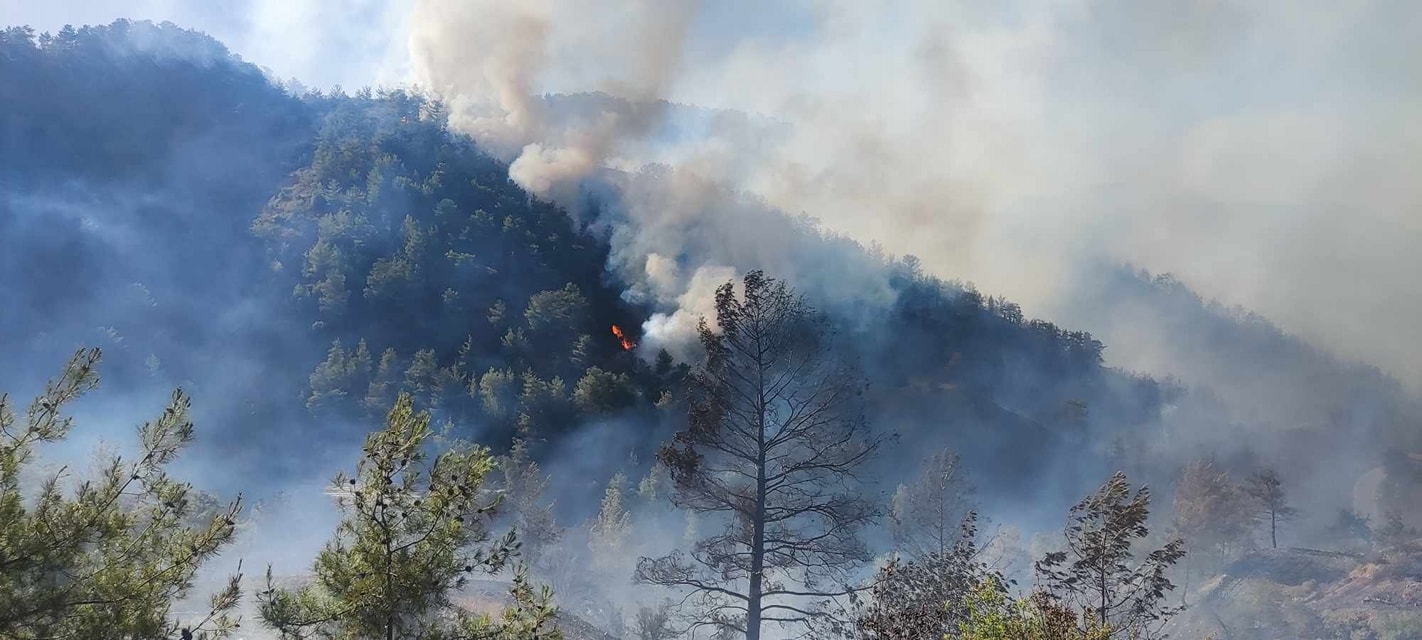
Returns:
<point x="627" y="344"/>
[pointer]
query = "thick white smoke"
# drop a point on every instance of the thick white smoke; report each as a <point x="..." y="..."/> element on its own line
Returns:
<point x="1260" y="150"/>
<point x="695" y="300"/>
<point x="489" y="59"/>
<point x="1257" y="149"/>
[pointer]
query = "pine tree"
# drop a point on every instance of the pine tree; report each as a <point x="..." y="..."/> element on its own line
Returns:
<point x="554" y="319"/>
<point x="1099" y="572"/>
<point x="600" y="391"/>
<point x="498" y="392"/>
<point x="414" y="530"/>
<point x="773" y="443"/>
<point x="336" y="376"/>
<point x="994" y="615"/>
<point x="384" y="384"/>
<point x="543" y="407"/>
<point x="422" y="378"/>
<point x="325" y="273"/>
<point x="608" y="534"/>
<point x="1211" y="513"/>
<point x="523" y="484"/>
<point x="927" y="513"/>
<point x="360" y="363"/>
<point x="105" y="557"/>
<point x="654" y="623"/>
<point x="923" y="596"/>
<point x="1268" y="492"/>
<point x="653" y="485"/>
<point x="920" y="592"/>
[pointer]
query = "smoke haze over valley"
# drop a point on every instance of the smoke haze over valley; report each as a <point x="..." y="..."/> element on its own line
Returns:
<point x="1049" y="240"/>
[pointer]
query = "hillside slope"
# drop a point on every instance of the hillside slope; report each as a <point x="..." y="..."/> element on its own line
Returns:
<point x="295" y="261"/>
<point x="228" y="237"/>
<point x="1286" y="594"/>
<point x="1262" y="389"/>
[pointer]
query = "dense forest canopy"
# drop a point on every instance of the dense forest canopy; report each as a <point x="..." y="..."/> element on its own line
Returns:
<point x="300" y="262"/>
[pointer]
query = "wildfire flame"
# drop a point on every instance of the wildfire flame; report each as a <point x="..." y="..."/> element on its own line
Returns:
<point x="627" y="344"/>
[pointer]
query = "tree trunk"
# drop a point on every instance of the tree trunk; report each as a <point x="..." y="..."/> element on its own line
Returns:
<point x="389" y="576"/>
<point x="1101" y="573"/>
<point x="757" y="561"/>
<point x="389" y="593"/>
<point x="757" y="572"/>
<point x="1103" y="598"/>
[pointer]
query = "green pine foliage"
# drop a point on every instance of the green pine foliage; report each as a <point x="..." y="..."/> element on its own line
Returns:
<point x="392" y="262"/>
<point x="402" y="236"/>
<point x="604" y="391"/>
<point x="1103" y="571"/>
<point x="992" y="614"/>
<point x="105" y="556"/>
<point x="415" y="529"/>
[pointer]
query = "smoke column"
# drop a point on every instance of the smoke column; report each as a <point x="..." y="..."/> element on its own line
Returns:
<point x="1253" y="149"/>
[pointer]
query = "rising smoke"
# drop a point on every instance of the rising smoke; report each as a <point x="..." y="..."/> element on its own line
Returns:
<point x="1258" y="150"/>
<point x="1250" y="148"/>
<point x="1246" y="147"/>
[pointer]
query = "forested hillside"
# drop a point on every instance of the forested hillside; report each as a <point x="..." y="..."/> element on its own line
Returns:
<point x="248" y="232"/>
<point x="307" y="266"/>
<point x="1273" y="394"/>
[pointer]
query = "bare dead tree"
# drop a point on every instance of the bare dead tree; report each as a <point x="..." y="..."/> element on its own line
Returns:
<point x="924" y="596"/>
<point x="921" y="593"/>
<point x="654" y="623"/>
<point x="927" y="514"/>
<point x="773" y="443"/>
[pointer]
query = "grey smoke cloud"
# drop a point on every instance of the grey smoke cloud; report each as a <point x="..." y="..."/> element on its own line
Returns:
<point x="1261" y="151"/>
<point x="1258" y="150"/>
<point x="489" y="59"/>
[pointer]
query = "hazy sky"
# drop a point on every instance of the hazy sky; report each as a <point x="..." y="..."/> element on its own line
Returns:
<point x="1261" y="150"/>
<point x="322" y="43"/>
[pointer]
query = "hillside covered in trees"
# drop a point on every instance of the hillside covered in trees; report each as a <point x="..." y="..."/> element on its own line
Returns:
<point x="895" y="462"/>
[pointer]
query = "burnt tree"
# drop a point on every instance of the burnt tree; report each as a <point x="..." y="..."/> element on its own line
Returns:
<point x="773" y="443"/>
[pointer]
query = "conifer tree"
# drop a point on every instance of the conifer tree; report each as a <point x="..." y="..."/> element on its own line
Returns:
<point x="523" y="484"/>
<point x="341" y="372"/>
<point x="384" y="384"/>
<point x="920" y="592"/>
<point x="927" y="513"/>
<point x="772" y="449"/>
<point x="1212" y="512"/>
<point x="994" y="615"/>
<point x="1098" y="571"/>
<point x="104" y="557"/>
<point x="414" y="531"/>
<point x="608" y="534"/>
<point x="923" y="596"/>
<point x="654" y="622"/>
<point x="421" y="378"/>
<point x="1272" y="501"/>
<point x="498" y="391"/>
<point x="600" y="391"/>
